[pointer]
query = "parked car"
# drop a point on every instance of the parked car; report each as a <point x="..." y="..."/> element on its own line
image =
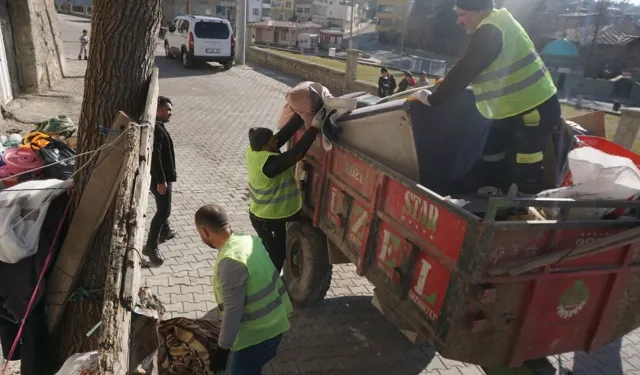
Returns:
<point x="200" y="38"/>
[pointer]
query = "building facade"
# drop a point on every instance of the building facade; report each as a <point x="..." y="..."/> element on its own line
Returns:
<point x="337" y="14"/>
<point x="282" y="33"/>
<point x="303" y="10"/>
<point x="282" y="10"/>
<point x="392" y="17"/>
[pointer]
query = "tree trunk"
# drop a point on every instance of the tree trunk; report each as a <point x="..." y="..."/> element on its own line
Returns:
<point x="121" y="61"/>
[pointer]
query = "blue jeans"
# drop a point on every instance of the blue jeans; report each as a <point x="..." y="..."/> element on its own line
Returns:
<point x="251" y="360"/>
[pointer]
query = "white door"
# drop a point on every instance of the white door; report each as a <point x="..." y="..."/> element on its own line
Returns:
<point x="5" y="80"/>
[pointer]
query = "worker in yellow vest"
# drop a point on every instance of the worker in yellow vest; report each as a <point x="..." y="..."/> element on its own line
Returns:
<point x="274" y="197"/>
<point x="253" y="300"/>
<point x="512" y="88"/>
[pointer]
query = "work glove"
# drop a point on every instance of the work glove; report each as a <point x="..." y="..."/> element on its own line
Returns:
<point x="219" y="360"/>
<point x="319" y="118"/>
<point x="421" y="96"/>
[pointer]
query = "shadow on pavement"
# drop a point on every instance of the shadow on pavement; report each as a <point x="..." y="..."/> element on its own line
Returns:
<point x="345" y="335"/>
<point x="172" y="68"/>
<point x="81" y="21"/>
<point x="280" y="77"/>
<point x="607" y="359"/>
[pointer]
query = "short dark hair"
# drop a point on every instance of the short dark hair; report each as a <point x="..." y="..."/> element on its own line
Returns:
<point x="84" y="31"/>
<point x="163" y="101"/>
<point x="213" y="217"/>
<point x="259" y="137"/>
<point x="384" y="70"/>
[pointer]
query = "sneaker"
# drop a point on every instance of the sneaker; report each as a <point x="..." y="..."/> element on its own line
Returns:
<point x="86" y="58"/>
<point x="79" y="57"/>
<point x="153" y="254"/>
<point x="168" y="235"/>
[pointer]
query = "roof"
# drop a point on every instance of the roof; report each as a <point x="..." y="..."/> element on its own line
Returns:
<point x="606" y="35"/>
<point x="287" y="24"/>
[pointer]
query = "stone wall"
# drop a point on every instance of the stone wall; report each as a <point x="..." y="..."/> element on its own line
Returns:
<point x="333" y="79"/>
<point x="38" y="46"/>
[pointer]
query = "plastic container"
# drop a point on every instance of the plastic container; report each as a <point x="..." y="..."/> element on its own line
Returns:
<point x="19" y="160"/>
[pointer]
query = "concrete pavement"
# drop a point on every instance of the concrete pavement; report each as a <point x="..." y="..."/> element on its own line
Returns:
<point x="342" y="335"/>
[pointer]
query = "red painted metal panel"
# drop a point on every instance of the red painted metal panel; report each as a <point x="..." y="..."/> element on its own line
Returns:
<point x="391" y="250"/>
<point x="358" y="230"/>
<point x="432" y="222"/>
<point x="429" y="285"/>
<point x="355" y="173"/>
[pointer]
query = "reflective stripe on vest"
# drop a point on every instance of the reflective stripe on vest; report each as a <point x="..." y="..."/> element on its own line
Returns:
<point x="266" y="304"/>
<point x="271" y="198"/>
<point x="517" y="80"/>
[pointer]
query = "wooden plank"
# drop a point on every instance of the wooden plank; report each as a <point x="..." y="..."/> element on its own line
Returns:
<point x="113" y="355"/>
<point x="124" y="280"/>
<point x="96" y="199"/>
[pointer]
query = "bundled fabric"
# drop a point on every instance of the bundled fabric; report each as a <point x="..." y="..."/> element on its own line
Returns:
<point x="60" y="125"/>
<point x="23" y="208"/>
<point x="299" y="100"/>
<point x="187" y="345"/>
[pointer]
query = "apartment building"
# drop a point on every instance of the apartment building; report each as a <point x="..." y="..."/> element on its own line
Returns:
<point x="215" y="8"/>
<point x="304" y="10"/>
<point x="281" y="10"/>
<point x="337" y="14"/>
<point x="392" y="17"/>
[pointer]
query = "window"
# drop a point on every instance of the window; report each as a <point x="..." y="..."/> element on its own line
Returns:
<point x="211" y="30"/>
<point x="183" y="26"/>
<point x="385" y="9"/>
<point x="256" y="12"/>
<point x="287" y="4"/>
<point x="385" y="22"/>
<point x="298" y="10"/>
<point x="280" y="17"/>
<point x="307" y="10"/>
<point x="194" y="12"/>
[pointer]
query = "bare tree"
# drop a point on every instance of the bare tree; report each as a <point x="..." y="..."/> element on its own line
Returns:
<point x="123" y="42"/>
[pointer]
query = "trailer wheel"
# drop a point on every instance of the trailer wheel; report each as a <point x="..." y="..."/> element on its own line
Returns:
<point x="307" y="271"/>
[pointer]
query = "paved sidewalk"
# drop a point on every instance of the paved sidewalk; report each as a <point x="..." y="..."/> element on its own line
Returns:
<point x="342" y="335"/>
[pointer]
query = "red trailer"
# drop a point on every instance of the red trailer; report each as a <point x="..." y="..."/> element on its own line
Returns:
<point x="480" y="289"/>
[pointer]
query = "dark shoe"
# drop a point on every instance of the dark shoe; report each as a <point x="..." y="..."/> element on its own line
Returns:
<point x="79" y="57"/>
<point x="154" y="255"/>
<point x="86" y="58"/>
<point x="168" y="235"/>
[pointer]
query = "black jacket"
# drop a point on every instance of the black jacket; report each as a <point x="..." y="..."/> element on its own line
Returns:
<point x="163" y="160"/>
<point x="386" y="85"/>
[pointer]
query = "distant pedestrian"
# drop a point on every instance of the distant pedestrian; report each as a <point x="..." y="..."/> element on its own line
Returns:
<point x="422" y="81"/>
<point x="84" y="42"/>
<point x="406" y="82"/>
<point x="386" y="83"/>
<point x="163" y="175"/>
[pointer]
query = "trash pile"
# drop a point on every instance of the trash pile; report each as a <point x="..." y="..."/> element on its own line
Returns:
<point x="48" y="152"/>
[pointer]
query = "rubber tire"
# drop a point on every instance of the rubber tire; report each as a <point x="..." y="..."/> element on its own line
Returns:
<point x="314" y="280"/>
<point x="168" y="54"/>
<point x="227" y="65"/>
<point x="187" y="61"/>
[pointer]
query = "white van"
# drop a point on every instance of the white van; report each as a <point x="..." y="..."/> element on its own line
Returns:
<point x="200" y="38"/>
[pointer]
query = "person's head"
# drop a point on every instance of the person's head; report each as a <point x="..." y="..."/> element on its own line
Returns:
<point x="84" y="32"/>
<point x="165" y="109"/>
<point x="423" y="76"/>
<point x="472" y="12"/>
<point x="408" y="75"/>
<point x="262" y="139"/>
<point x="213" y="225"/>
<point x="384" y="72"/>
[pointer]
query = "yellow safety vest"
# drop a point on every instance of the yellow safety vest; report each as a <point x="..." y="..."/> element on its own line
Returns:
<point x="517" y="80"/>
<point x="267" y="305"/>
<point x="271" y="198"/>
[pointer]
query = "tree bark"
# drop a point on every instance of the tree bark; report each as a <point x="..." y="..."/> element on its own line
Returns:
<point x="121" y="61"/>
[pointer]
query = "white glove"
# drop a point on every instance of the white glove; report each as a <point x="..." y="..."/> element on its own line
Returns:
<point x="421" y="96"/>
<point x="319" y="118"/>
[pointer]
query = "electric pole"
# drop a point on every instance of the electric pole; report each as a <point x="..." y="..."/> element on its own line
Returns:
<point x="351" y="32"/>
<point x="241" y="26"/>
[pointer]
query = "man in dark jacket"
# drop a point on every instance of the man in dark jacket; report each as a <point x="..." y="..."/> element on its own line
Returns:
<point x="163" y="175"/>
<point x="386" y="83"/>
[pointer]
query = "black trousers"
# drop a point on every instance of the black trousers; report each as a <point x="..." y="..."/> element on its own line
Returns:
<point x="514" y="151"/>
<point x="273" y="234"/>
<point x="160" y="221"/>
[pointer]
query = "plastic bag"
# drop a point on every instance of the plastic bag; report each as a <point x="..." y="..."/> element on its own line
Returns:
<point x="59" y="157"/>
<point x="80" y="364"/>
<point x="596" y="176"/>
